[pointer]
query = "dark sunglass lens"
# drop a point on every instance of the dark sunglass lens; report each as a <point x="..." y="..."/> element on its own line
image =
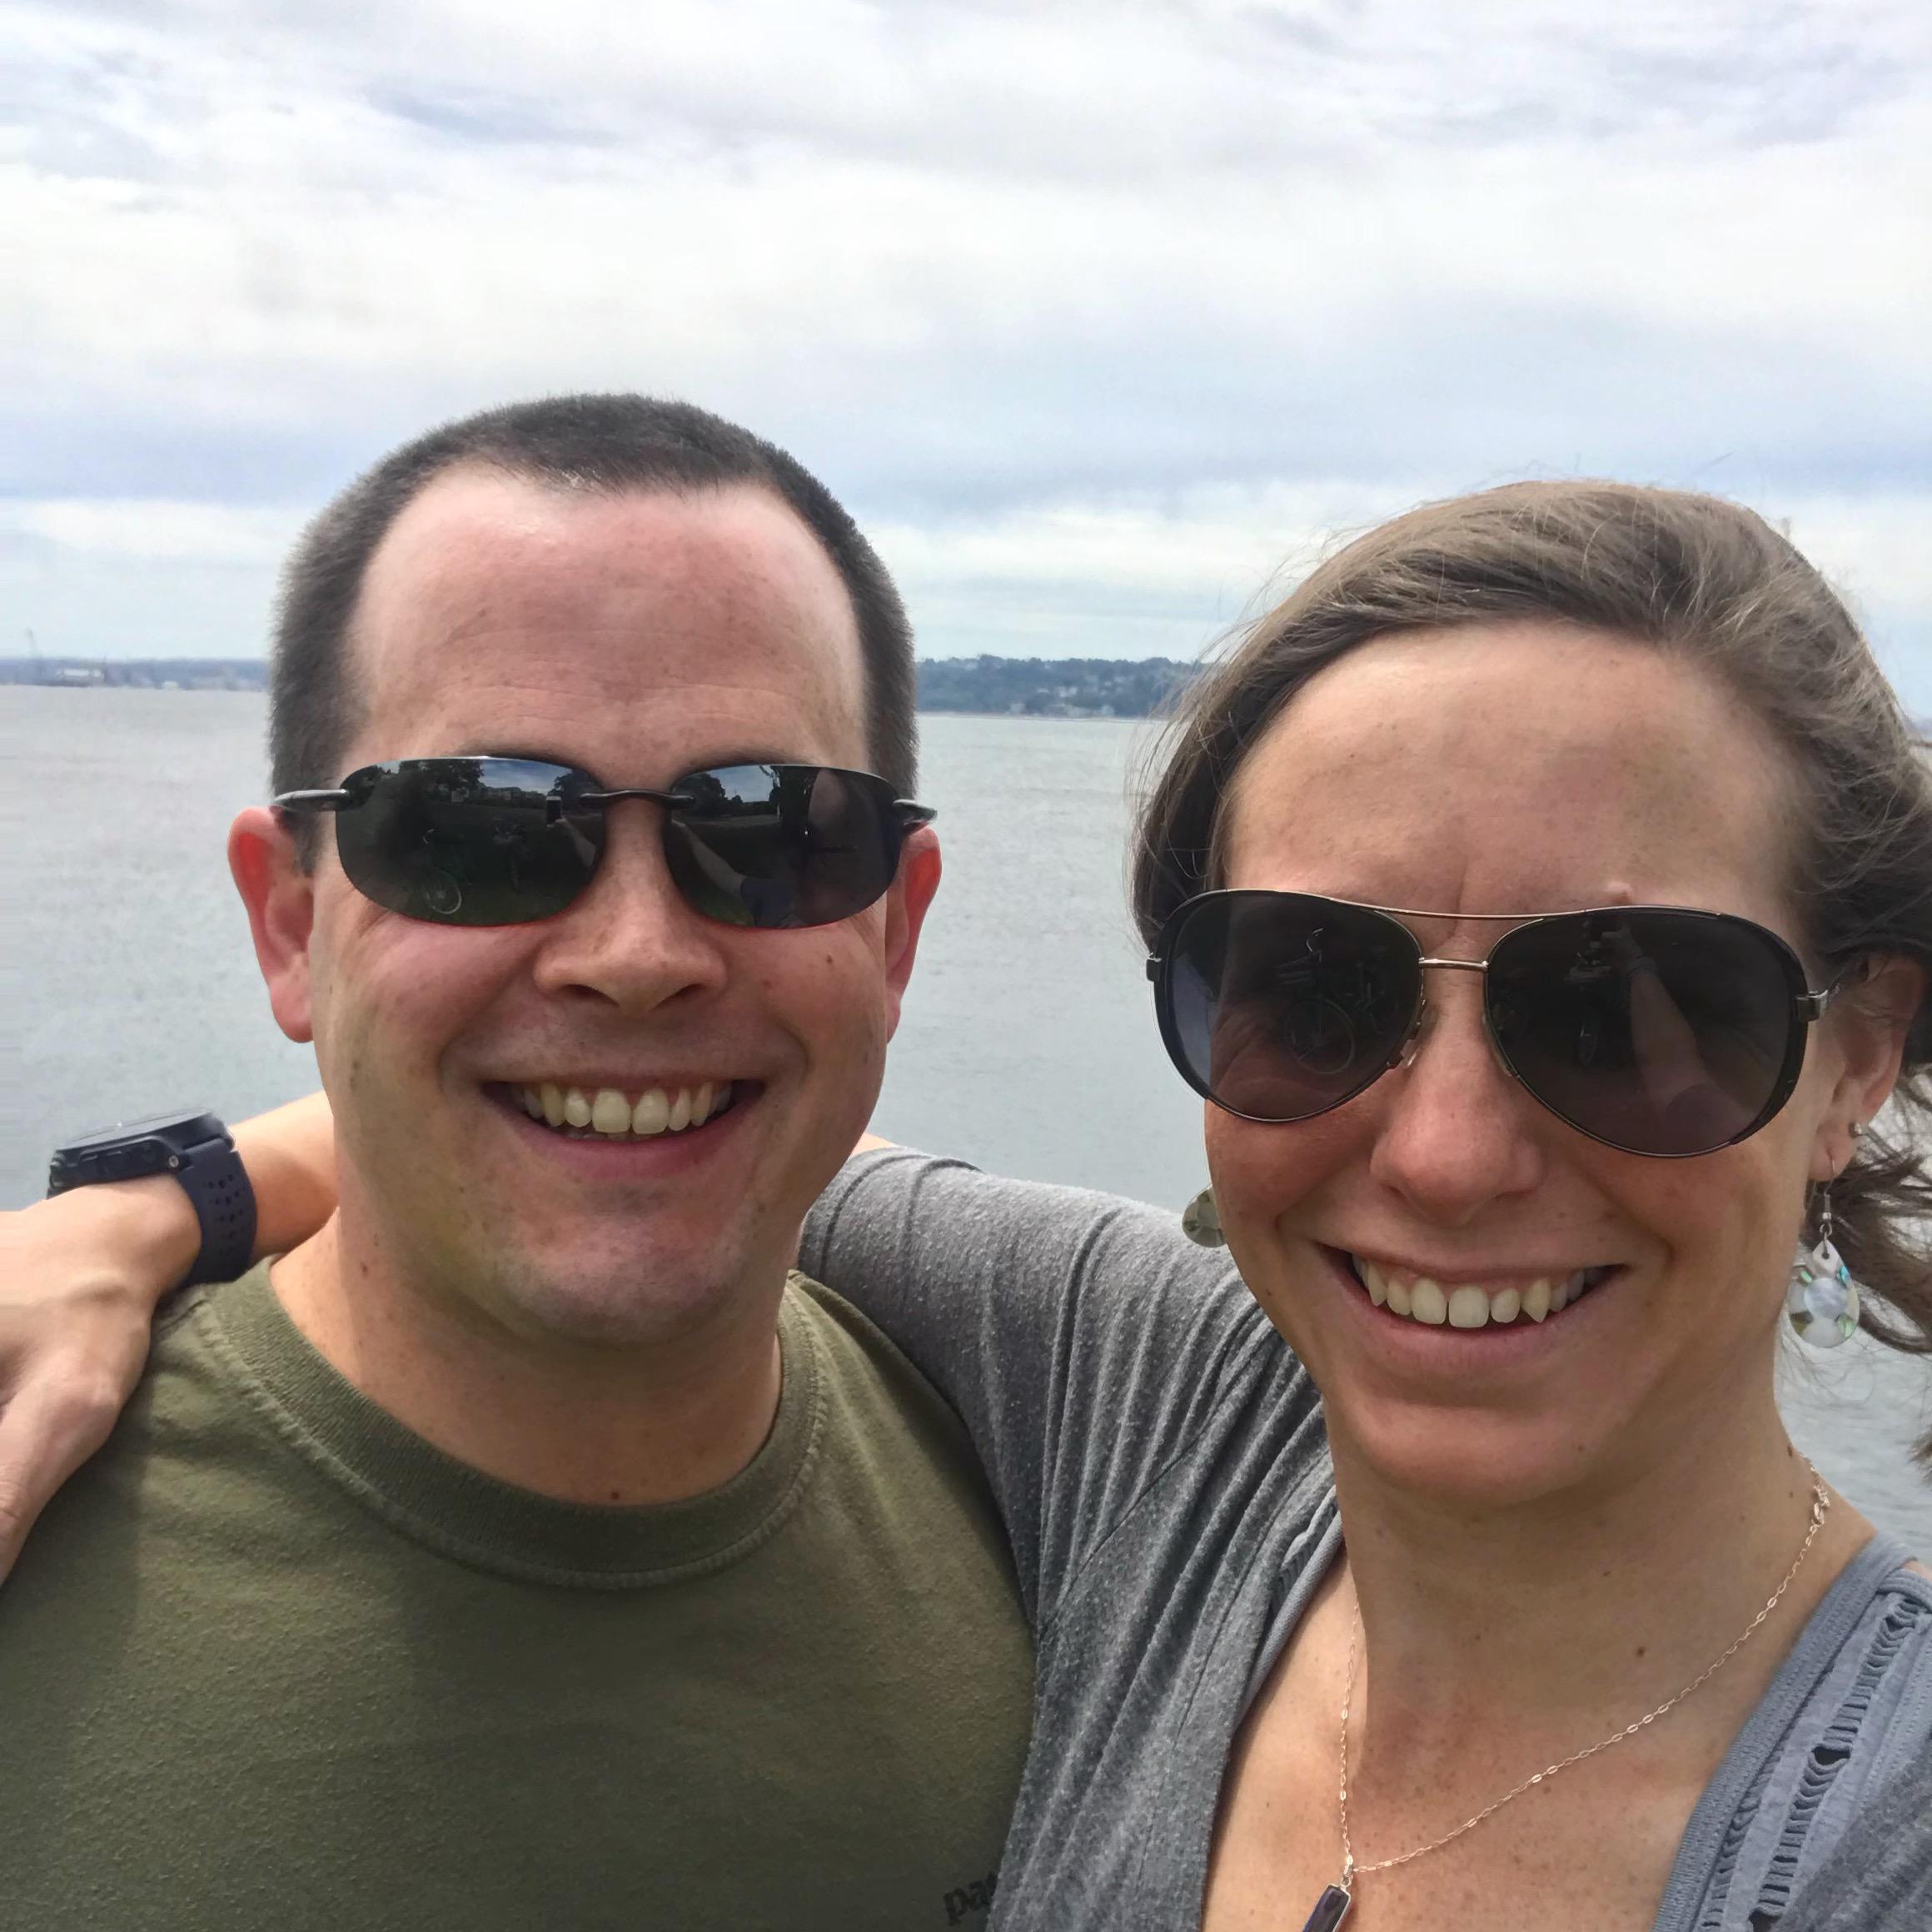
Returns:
<point x="1281" y="1006"/>
<point x="468" y="841"/>
<point x="775" y="845"/>
<point x="1659" y="1032"/>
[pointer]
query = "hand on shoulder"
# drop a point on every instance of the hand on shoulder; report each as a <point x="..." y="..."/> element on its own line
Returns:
<point x="80" y="1274"/>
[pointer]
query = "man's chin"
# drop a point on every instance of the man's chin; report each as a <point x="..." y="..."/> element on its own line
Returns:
<point x="643" y="1301"/>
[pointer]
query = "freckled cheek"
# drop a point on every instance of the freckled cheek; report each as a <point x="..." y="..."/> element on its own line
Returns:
<point x="1720" y="1223"/>
<point x="1262" y="1174"/>
<point x="1268" y="1181"/>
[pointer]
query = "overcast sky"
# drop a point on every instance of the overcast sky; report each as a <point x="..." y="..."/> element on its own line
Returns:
<point x="1101" y="318"/>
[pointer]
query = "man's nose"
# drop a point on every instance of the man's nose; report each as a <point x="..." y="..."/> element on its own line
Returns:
<point x="630" y="938"/>
<point x="1457" y="1132"/>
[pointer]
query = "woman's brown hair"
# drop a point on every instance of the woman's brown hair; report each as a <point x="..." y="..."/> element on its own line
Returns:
<point x="1687" y="574"/>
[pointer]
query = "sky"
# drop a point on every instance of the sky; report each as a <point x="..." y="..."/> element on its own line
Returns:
<point x="1105" y="320"/>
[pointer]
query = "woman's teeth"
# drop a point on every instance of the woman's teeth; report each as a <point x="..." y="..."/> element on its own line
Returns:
<point x="611" y="1114"/>
<point x="1466" y="1306"/>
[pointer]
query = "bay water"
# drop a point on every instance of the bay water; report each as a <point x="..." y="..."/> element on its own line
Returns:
<point x="1027" y="1045"/>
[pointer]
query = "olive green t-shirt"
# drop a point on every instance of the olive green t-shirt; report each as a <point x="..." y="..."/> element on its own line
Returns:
<point x="271" y="1661"/>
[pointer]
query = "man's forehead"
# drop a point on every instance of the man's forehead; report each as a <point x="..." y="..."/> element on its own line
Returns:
<point x="495" y="590"/>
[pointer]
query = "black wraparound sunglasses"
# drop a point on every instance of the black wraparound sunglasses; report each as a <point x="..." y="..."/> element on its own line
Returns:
<point x="500" y="841"/>
<point x="1655" y="1029"/>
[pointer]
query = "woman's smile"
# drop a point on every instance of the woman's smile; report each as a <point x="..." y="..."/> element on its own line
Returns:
<point x="1462" y="1297"/>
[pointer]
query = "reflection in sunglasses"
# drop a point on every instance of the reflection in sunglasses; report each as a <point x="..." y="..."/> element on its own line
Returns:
<point x="1659" y="1030"/>
<point x="500" y="841"/>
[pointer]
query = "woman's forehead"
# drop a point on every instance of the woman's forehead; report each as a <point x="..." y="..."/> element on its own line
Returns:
<point x="1514" y="766"/>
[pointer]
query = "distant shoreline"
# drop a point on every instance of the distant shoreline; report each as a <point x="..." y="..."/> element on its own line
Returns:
<point x="1067" y="717"/>
<point x="1067" y="689"/>
<point x="973" y="687"/>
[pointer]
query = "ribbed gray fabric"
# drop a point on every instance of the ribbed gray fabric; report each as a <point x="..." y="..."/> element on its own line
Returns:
<point x="1158" y="1458"/>
<point x="1880" y="1873"/>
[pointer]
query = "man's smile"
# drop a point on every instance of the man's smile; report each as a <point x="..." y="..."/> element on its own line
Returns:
<point x="621" y="1112"/>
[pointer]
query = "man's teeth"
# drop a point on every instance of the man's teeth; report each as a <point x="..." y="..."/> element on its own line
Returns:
<point x="608" y="1111"/>
<point x="1464" y="1304"/>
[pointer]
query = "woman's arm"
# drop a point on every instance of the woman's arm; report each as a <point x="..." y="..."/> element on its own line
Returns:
<point x="1082" y="1338"/>
<point x="290" y="1158"/>
<point x="80" y="1276"/>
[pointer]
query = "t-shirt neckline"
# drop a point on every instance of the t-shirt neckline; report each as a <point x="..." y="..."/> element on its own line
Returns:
<point x="447" y="1505"/>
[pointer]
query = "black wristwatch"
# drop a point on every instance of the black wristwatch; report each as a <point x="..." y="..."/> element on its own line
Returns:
<point x="196" y="1149"/>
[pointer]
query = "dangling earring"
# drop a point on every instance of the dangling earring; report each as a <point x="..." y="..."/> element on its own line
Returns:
<point x="1821" y="1303"/>
<point x="1200" y="1221"/>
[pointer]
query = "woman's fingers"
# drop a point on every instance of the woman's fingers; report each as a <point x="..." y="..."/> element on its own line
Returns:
<point x="51" y="1422"/>
<point x="79" y="1277"/>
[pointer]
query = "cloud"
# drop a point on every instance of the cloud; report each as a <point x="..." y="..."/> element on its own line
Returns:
<point x="1171" y="578"/>
<point x="1052" y="293"/>
<point x="1080" y="90"/>
<point x="146" y="530"/>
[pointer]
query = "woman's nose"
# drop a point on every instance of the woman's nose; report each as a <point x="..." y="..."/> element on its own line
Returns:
<point x="1455" y="1131"/>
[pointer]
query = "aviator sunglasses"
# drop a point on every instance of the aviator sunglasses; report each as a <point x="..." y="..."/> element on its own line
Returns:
<point x="1654" y="1029"/>
<point x="500" y="841"/>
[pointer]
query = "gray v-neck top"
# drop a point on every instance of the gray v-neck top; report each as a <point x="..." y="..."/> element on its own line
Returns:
<point x="1158" y="1455"/>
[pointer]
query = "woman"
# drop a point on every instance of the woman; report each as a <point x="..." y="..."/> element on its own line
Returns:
<point x="1533" y="1617"/>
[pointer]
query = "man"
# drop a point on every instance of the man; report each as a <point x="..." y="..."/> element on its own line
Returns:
<point x="523" y="1550"/>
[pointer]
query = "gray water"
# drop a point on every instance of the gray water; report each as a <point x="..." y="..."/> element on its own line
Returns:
<point x="1028" y="1043"/>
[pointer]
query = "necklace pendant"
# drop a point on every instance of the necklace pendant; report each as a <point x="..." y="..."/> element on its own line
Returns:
<point x="1330" y="1909"/>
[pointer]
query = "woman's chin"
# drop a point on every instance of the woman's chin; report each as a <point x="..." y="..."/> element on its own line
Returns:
<point x="1469" y="1461"/>
<point x="1488" y="1417"/>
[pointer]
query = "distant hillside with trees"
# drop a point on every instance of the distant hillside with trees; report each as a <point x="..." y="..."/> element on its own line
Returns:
<point x="1067" y="687"/>
<point x="1026" y="687"/>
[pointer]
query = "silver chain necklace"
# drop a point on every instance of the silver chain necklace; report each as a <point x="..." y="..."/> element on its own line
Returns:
<point x="1332" y="1908"/>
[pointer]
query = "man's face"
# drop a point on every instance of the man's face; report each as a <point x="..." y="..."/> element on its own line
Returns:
<point x="640" y="637"/>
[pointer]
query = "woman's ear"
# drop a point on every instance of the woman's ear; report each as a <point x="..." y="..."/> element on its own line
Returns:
<point x="280" y="899"/>
<point x="1870" y="1023"/>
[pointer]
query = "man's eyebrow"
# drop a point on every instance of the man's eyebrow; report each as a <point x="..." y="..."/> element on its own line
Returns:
<point x="721" y="762"/>
<point x="492" y="748"/>
<point x="737" y="758"/>
<point x="495" y="747"/>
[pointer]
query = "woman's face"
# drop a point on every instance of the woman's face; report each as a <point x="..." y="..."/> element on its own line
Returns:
<point x="1523" y="766"/>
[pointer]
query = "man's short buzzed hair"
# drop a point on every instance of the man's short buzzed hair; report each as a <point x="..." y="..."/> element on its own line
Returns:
<point x="608" y="444"/>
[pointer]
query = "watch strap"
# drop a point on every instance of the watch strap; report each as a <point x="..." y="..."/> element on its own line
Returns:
<point x="218" y="1186"/>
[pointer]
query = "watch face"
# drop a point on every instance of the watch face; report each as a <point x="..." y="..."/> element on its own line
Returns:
<point x="177" y="1129"/>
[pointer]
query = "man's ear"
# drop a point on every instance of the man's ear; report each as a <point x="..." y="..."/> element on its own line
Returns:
<point x="905" y="913"/>
<point x="1870" y="1024"/>
<point x="280" y="899"/>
